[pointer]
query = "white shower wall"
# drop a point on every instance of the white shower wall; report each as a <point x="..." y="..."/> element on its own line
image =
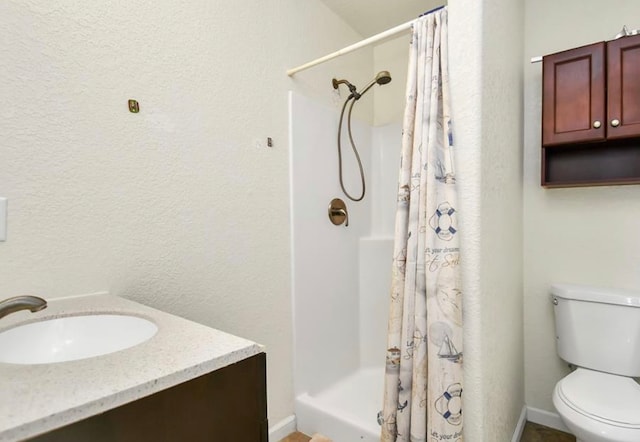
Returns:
<point x="341" y="275"/>
<point x="385" y="163"/>
<point x="324" y="256"/>
<point x="376" y="249"/>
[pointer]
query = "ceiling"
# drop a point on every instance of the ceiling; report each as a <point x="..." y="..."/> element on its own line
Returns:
<point x="370" y="17"/>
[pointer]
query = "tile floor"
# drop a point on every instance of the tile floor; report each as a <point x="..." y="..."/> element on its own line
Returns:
<point x="296" y="437"/>
<point x="538" y="433"/>
<point x="532" y="433"/>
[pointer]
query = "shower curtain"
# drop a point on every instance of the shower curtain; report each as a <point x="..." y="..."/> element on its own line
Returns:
<point x="423" y="377"/>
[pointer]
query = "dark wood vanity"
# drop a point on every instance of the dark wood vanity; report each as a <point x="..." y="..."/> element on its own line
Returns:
<point x="229" y="404"/>
<point x="591" y="115"/>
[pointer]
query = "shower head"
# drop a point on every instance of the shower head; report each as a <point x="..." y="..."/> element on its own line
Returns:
<point x="383" y="77"/>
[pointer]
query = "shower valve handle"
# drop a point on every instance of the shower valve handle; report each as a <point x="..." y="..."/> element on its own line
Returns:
<point x="338" y="212"/>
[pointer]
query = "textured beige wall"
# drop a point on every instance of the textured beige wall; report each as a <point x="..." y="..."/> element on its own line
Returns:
<point x="486" y="38"/>
<point x="501" y="259"/>
<point x="465" y="40"/>
<point x="174" y="207"/>
<point x="583" y="235"/>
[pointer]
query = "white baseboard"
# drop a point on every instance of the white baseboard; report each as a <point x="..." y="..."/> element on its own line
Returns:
<point x="282" y="429"/>
<point x="517" y="434"/>
<point x="546" y="418"/>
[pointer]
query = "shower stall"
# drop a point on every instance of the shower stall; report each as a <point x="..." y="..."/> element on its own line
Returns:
<point x="341" y="275"/>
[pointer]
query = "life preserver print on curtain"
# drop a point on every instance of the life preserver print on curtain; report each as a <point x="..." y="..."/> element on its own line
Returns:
<point x="423" y="379"/>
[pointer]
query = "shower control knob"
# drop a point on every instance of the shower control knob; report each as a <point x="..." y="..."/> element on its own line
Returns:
<point x="597" y="124"/>
<point x="615" y="122"/>
<point x="338" y="212"/>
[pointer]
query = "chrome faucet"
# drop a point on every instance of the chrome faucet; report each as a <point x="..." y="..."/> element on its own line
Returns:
<point x="17" y="303"/>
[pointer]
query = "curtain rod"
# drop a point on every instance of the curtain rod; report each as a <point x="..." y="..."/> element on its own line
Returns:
<point x="366" y="42"/>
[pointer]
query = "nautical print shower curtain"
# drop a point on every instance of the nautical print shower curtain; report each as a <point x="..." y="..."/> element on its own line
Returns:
<point x="423" y="379"/>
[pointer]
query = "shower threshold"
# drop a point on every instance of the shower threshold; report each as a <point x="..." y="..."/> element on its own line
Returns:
<point x="347" y="410"/>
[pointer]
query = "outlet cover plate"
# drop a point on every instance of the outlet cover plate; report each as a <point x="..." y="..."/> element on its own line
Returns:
<point x="3" y="219"/>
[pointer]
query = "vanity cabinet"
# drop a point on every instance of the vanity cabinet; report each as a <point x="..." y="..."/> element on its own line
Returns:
<point x="229" y="404"/>
<point x="591" y="115"/>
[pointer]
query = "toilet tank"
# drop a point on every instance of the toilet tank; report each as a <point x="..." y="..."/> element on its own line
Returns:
<point x="598" y="328"/>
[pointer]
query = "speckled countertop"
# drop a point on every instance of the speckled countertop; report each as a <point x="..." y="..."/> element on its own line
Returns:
<point x="35" y="399"/>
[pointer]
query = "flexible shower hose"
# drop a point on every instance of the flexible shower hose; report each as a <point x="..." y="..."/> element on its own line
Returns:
<point x="353" y="146"/>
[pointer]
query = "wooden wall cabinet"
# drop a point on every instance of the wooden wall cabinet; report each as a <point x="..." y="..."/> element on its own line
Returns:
<point x="573" y="98"/>
<point x="623" y="93"/>
<point x="591" y="115"/>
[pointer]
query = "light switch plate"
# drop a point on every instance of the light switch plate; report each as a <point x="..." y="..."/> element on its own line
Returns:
<point x="3" y="219"/>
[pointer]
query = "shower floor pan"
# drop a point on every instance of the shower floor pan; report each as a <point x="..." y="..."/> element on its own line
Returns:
<point x="345" y="411"/>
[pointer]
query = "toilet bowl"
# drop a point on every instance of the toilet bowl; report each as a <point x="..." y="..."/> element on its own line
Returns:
<point x="598" y="331"/>
<point x="599" y="407"/>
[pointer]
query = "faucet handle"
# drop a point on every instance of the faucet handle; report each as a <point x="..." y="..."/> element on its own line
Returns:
<point x="338" y="212"/>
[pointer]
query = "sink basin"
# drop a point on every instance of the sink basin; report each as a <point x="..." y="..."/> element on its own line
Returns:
<point x="73" y="337"/>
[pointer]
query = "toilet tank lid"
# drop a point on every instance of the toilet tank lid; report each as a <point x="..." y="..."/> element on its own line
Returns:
<point x="586" y="293"/>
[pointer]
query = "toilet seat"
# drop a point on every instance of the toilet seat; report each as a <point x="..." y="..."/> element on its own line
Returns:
<point x="610" y="399"/>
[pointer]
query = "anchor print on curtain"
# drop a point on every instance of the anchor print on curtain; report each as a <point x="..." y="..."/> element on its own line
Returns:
<point x="423" y="378"/>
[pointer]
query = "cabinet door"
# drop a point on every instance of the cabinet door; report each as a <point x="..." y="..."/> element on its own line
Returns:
<point x="573" y="98"/>
<point x="227" y="405"/>
<point x="623" y="77"/>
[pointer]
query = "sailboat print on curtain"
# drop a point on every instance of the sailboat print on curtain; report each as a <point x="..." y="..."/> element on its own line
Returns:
<point x="449" y="351"/>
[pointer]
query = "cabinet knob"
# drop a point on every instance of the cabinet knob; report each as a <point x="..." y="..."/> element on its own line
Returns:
<point x="615" y="122"/>
<point x="597" y="124"/>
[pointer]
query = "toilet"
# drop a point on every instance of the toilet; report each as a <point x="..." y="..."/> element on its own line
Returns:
<point x="598" y="332"/>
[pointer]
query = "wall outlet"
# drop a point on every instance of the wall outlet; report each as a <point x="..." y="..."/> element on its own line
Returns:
<point x="3" y="219"/>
